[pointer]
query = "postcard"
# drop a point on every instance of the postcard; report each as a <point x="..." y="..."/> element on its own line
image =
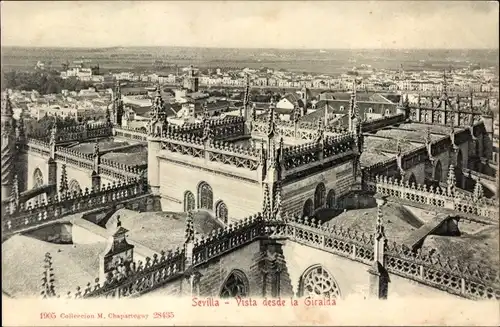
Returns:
<point x="250" y="163"/>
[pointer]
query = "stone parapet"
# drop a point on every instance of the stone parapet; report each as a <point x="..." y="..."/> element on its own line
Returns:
<point x="434" y="196"/>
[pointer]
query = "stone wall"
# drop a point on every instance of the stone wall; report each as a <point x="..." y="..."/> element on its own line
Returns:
<point x="296" y="193"/>
<point x="242" y="197"/>
<point x="352" y="277"/>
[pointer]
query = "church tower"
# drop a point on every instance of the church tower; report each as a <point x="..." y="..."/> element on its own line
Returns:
<point x="117" y="106"/>
<point x="8" y="147"/>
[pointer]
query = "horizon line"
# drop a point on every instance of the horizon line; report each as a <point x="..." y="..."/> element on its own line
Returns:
<point x="215" y="47"/>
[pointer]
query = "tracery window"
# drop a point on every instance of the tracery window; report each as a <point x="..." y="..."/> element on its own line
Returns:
<point x="330" y="200"/>
<point x="319" y="196"/>
<point x="308" y="208"/>
<point x="205" y="196"/>
<point x="412" y="180"/>
<point x="438" y="171"/>
<point x="37" y="182"/>
<point x="37" y="178"/>
<point x="221" y="211"/>
<point x="316" y="282"/>
<point x="189" y="202"/>
<point x="74" y="186"/>
<point x="235" y="285"/>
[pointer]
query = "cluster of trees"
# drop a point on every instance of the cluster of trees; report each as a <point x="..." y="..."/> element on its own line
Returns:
<point x="43" y="82"/>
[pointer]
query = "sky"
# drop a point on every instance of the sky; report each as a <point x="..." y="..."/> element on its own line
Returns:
<point x="252" y="24"/>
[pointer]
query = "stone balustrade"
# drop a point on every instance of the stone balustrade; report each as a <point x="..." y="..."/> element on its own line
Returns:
<point x="378" y="123"/>
<point x="473" y="282"/>
<point x="139" y="278"/>
<point x="303" y="154"/>
<point x="68" y="203"/>
<point x="434" y="196"/>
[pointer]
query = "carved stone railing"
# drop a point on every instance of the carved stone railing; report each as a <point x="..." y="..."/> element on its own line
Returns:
<point x="478" y="175"/>
<point x="222" y="128"/>
<point x="119" y="170"/>
<point x="39" y="147"/>
<point x="461" y="118"/>
<point x="75" y="158"/>
<point x="376" y="124"/>
<point x="429" y="269"/>
<point x="66" y="204"/>
<point x="436" y="197"/>
<point x="81" y="132"/>
<point x="473" y="282"/>
<point x="140" y="278"/>
<point x="303" y="154"/>
<point x="287" y="129"/>
<point x="213" y="151"/>
<point x="130" y="133"/>
<point x="459" y="278"/>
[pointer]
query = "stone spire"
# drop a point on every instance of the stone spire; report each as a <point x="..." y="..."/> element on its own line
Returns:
<point x="48" y="289"/>
<point x="189" y="239"/>
<point x="8" y="153"/>
<point x="189" y="233"/>
<point x="451" y="181"/>
<point x="63" y="185"/>
<point x="14" y="197"/>
<point x="118" y="105"/>
<point x="21" y="129"/>
<point x="270" y="121"/>
<point x="246" y="99"/>
<point x="266" y="203"/>
<point x="353" y="108"/>
<point x="277" y="208"/>
<point x="158" y="103"/>
<point x="478" y="190"/>
<point x="378" y="274"/>
<point x="53" y="133"/>
<point x="97" y="157"/>
<point x="471" y="100"/>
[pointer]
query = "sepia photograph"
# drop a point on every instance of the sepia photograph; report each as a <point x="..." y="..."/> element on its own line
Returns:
<point x="247" y="163"/>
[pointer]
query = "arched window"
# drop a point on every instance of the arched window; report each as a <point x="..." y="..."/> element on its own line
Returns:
<point x="341" y="108"/>
<point x="387" y="112"/>
<point x="370" y="110"/>
<point x="412" y="179"/>
<point x="74" y="186"/>
<point x="316" y="282"/>
<point x="308" y="208"/>
<point x="438" y="171"/>
<point x="319" y="196"/>
<point x="331" y="201"/>
<point x="189" y="202"/>
<point x="37" y="178"/>
<point x="37" y="182"/>
<point x="235" y="285"/>
<point x="221" y="211"/>
<point x="205" y="196"/>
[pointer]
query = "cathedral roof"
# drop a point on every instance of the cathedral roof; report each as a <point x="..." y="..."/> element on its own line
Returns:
<point x="74" y="264"/>
<point x="476" y="247"/>
<point x="397" y="220"/>
<point x="150" y="228"/>
<point x="137" y="156"/>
